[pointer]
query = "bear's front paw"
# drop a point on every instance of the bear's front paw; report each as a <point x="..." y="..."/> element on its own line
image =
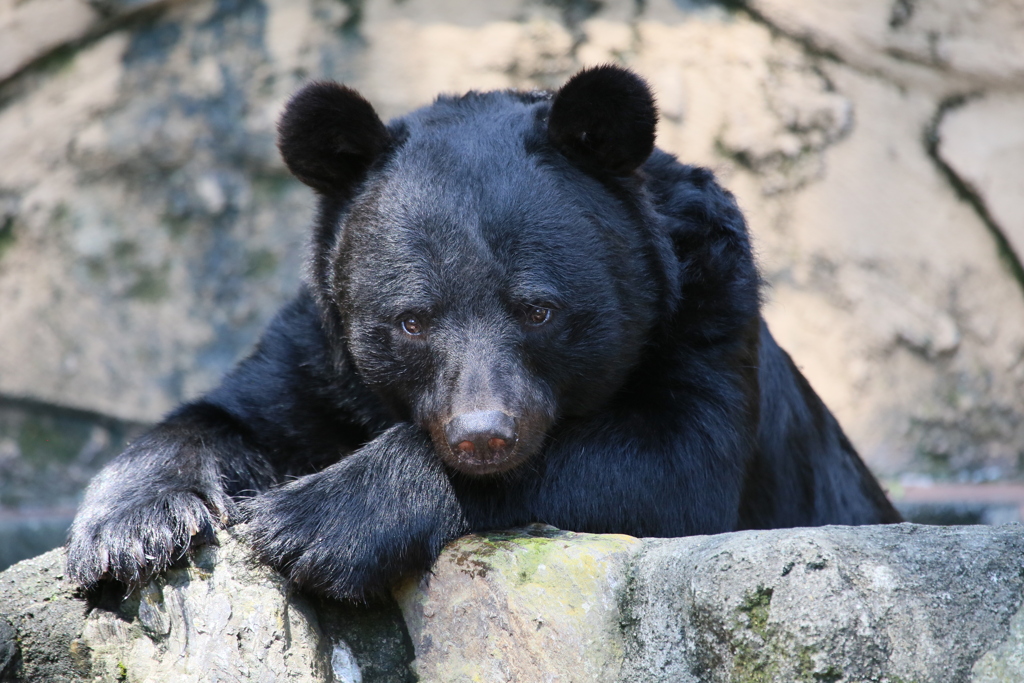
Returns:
<point x="351" y="530"/>
<point x="131" y="538"/>
<point x="316" y="548"/>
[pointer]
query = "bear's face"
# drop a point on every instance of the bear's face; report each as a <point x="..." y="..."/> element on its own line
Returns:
<point x="487" y="281"/>
<point x="462" y="276"/>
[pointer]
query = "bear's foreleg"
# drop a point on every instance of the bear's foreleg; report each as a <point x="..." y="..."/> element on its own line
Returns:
<point x="166" y="492"/>
<point x="351" y="529"/>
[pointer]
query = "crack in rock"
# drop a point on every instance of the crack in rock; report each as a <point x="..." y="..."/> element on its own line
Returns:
<point x="972" y="164"/>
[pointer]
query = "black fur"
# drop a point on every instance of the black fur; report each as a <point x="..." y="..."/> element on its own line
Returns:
<point x="605" y="118"/>
<point x="477" y="257"/>
<point x="329" y="135"/>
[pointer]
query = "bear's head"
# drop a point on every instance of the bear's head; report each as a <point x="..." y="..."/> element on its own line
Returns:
<point x="489" y="264"/>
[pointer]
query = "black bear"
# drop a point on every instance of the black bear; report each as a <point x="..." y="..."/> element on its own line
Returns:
<point x="517" y="310"/>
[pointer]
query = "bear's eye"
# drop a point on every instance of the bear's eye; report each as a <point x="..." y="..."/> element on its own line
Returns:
<point x="537" y="315"/>
<point x="412" y="326"/>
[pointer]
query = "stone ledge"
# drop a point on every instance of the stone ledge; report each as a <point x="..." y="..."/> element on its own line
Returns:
<point x="839" y="604"/>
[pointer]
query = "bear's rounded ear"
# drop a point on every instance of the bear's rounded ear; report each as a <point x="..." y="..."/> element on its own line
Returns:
<point x="604" y="118"/>
<point x="329" y="135"/>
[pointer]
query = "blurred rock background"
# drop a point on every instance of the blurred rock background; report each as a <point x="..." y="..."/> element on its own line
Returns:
<point x="148" y="229"/>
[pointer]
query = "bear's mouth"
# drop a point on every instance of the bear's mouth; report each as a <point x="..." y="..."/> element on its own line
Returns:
<point x="472" y="464"/>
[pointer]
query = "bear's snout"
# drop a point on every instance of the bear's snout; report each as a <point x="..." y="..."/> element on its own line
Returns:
<point x="482" y="441"/>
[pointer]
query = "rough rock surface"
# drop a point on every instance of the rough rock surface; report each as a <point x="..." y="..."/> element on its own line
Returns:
<point x="221" y="618"/>
<point x="837" y="604"/>
<point x="543" y="604"/>
<point x="903" y="603"/>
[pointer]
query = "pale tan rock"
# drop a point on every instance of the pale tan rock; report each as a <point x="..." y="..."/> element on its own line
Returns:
<point x="941" y="45"/>
<point x="539" y="605"/>
<point x="30" y="29"/>
<point x="983" y="142"/>
<point x="101" y="212"/>
<point x="891" y="295"/>
<point x="413" y="63"/>
<point x="730" y="95"/>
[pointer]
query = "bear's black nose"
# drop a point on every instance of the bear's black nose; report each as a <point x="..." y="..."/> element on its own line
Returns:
<point x="481" y="436"/>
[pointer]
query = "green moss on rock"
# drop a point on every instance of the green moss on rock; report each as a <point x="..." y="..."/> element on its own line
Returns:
<point x="756" y="605"/>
